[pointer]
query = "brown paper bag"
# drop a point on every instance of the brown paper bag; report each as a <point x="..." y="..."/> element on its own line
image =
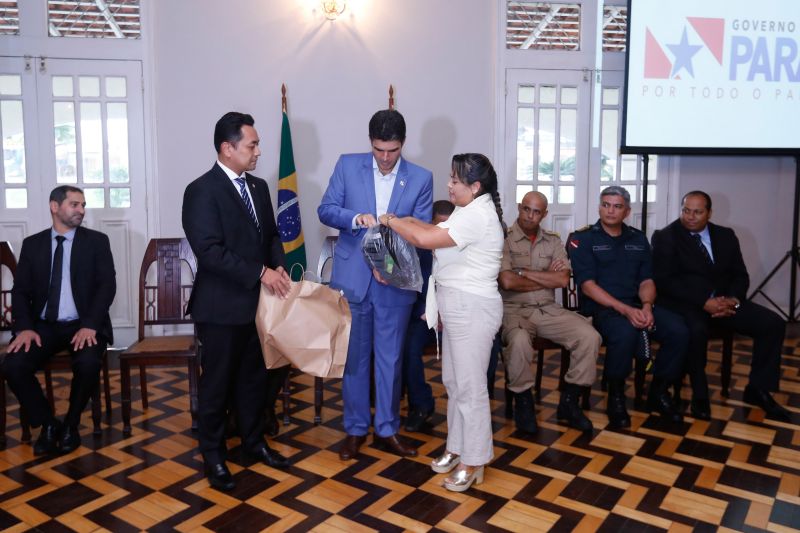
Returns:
<point x="310" y="329"/>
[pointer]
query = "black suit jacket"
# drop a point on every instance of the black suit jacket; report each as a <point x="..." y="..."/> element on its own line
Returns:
<point x="682" y="275"/>
<point x="91" y="273"/>
<point x="229" y="248"/>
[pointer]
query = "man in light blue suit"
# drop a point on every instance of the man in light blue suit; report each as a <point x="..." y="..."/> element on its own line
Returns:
<point x="363" y="187"/>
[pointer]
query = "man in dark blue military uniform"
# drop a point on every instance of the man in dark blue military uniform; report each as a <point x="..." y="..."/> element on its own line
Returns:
<point x="613" y="267"/>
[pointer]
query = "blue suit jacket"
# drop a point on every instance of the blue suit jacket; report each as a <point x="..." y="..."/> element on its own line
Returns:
<point x="351" y="191"/>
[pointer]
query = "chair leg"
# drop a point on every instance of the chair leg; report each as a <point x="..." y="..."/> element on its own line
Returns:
<point x="26" y="428"/>
<point x="107" y="387"/>
<point x="125" y="395"/>
<point x="317" y="401"/>
<point x="97" y="411"/>
<point x="194" y="402"/>
<point x="286" y="392"/>
<point x="48" y="385"/>
<point x="143" y="385"/>
<point x="562" y="375"/>
<point x="2" y="412"/>
<point x="727" y="363"/>
<point x="539" y="371"/>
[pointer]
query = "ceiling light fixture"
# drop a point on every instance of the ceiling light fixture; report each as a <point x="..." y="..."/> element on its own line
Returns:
<point x="333" y="8"/>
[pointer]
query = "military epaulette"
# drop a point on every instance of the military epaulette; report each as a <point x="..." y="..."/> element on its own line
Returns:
<point x="551" y="233"/>
<point x="587" y="227"/>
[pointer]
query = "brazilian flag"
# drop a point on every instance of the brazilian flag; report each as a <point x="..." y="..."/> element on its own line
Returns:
<point x="288" y="206"/>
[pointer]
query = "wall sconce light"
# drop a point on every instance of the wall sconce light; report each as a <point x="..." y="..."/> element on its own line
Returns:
<point x="333" y="8"/>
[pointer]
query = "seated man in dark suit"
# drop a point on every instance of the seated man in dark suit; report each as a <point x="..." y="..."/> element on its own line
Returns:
<point x="64" y="286"/>
<point x="699" y="271"/>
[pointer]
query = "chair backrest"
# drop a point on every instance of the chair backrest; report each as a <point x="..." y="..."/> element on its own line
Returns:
<point x="325" y="256"/>
<point x="569" y="295"/>
<point x="164" y="290"/>
<point x="8" y="269"/>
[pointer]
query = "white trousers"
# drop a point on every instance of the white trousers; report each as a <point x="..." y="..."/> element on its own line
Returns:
<point x="470" y="323"/>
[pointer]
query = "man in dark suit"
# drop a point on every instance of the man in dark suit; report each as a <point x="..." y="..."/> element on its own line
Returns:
<point x="64" y="286"/>
<point x="699" y="272"/>
<point x="229" y="221"/>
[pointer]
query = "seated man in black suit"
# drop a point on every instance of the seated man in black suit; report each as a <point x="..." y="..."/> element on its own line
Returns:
<point x="699" y="271"/>
<point x="64" y="286"/>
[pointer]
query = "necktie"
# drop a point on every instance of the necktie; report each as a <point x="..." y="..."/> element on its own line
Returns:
<point x="703" y="250"/>
<point x="54" y="294"/>
<point x="246" y="199"/>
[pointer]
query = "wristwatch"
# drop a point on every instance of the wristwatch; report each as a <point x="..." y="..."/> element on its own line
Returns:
<point x="519" y="272"/>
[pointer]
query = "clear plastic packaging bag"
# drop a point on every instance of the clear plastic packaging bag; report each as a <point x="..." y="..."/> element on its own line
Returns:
<point x="393" y="257"/>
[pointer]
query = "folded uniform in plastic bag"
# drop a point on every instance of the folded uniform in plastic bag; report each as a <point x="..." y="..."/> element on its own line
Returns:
<point x="393" y="257"/>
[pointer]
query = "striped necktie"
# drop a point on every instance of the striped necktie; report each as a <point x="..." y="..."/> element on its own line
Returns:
<point x="246" y="199"/>
<point x="703" y="250"/>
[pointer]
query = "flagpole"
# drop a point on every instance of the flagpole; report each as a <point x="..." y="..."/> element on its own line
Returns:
<point x="391" y="96"/>
<point x="283" y="97"/>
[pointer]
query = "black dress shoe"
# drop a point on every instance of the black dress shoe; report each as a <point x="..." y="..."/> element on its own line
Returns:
<point x="270" y="423"/>
<point x="394" y="444"/>
<point x="701" y="409"/>
<point x="220" y="477"/>
<point x="350" y="446"/>
<point x="270" y="457"/>
<point x="764" y="400"/>
<point x="70" y="439"/>
<point x="47" y="443"/>
<point x="662" y="404"/>
<point x="416" y="419"/>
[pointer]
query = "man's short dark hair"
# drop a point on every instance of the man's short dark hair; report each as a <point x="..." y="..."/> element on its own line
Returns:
<point x="698" y="193"/>
<point x="229" y="128"/>
<point x="443" y="208"/>
<point x="59" y="194"/>
<point x="387" y="125"/>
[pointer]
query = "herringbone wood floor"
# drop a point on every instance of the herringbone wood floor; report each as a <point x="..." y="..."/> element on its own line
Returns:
<point x="736" y="472"/>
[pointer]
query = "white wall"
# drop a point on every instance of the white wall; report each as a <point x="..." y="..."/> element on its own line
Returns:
<point x="754" y="196"/>
<point x="211" y="57"/>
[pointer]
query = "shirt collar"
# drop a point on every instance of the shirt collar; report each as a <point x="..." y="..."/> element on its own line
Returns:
<point x="390" y="175"/>
<point x="517" y="234"/>
<point x="705" y="235"/>
<point x="70" y="235"/>
<point x="230" y="173"/>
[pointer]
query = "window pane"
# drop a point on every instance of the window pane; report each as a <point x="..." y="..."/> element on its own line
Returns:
<point x="89" y="86"/>
<point x="608" y="144"/>
<point x="115" y="87"/>
<point x="651" y="192"/>
<point x="610" y="96"/>
<point x="66" y="151"/>
<point x="10" y="85"/>
<point x="120" y="19"/>
<point x="632" y="190"/>
<point x="566" y="194"/>
<point x="62" y="86"/>
<point x="542" y="25"/>
<point x="569" y="95"/>
<point x="547" y="146"/>
<point x="547" y="94"/>
<point x="629" y="165"/>
<point x="17" y="198"/>
<point x="94" y="197"/>
<point x="91" y="142"/>
<point x="615" y="25"/>
<point x="547" y="190"/>
<point x="117" y="129"/>
<point x="13" y="141"/>
<point x="568" y="144"/>
<point x="119" y="197"/>
<point x="9" y="18"/>
<point x="522" y="190"/>
<point x="525" y="134"/>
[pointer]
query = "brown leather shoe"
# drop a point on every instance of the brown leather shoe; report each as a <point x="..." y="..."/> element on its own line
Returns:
<point x="394" y="444"/>
<point x="350" y="446"/>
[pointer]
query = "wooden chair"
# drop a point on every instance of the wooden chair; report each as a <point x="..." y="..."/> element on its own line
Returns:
<point x="163" y="299"/>
<point x="60" y="361"/>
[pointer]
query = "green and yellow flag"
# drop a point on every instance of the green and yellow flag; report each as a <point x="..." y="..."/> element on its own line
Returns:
<point x="288" y="216"/>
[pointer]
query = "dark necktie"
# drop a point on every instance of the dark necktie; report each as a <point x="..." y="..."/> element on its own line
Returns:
<point x="54" y="294"/>
<point x="246" y="199"/>
<point x="703" y="250"/>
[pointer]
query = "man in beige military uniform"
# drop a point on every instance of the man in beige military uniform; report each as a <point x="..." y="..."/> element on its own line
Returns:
<point x="534" y="264"/>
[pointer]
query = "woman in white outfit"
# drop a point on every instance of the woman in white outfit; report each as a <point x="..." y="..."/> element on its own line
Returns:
<point x="469" y="248"/>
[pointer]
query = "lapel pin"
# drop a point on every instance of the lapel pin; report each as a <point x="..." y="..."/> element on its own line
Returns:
<point x="402" y="183"/>
<point x="253" y="186"/>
